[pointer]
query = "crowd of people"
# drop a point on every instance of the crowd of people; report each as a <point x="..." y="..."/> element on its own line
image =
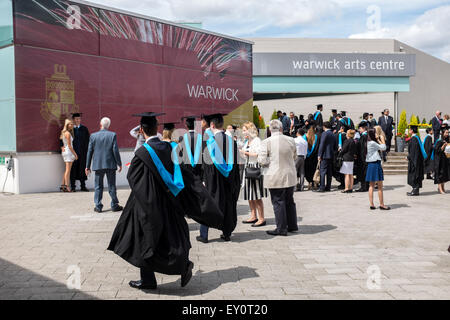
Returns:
<point x="202" y="172"/>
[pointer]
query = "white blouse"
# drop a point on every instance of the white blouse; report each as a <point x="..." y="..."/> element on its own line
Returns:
<point x="254" y="147"/>
<point x="372" y="151"/>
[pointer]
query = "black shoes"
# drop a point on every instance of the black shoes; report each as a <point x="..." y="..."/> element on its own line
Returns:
<point x="84" y="189"/>
<point x="116" y="209"/>
<point x="187" y="275"/>
<point x="250" y="222"/>
<point x="414" y="192"/>
<point x="346" y="191"/>
<point x="299" y="187"/>
<point x="372" y="208"/>
<point x="99" y="210"/>
<point x="385" y="208"/>
<point x="292" y="230"/>
<point x="225" y="238"/>
<point x="276" y="233"/>
<point x="142" y="286"/>
<point x="259" y="224"/>
<point x="201" y="239"/>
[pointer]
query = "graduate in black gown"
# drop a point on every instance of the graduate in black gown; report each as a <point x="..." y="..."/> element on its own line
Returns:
<point x="152" y="233"/>
<point x="361" y="157"/>
<point x="311" y="159"/>
<point x="220" y="173"/>
<point x="428" y="146"/>
<point x="416" y="157"/>
<point x="80" y="145"/>
<point x="318" y="118"/>
<point x="191" y="144"/>
<point x="441" y="162"/>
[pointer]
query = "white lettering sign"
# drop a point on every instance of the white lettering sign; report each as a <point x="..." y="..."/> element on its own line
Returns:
<point x="212" y="93"/>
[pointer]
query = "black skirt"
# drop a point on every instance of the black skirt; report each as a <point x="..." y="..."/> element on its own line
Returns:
<point x="254" y="188"/>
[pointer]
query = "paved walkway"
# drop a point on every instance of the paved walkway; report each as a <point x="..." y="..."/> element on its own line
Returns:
<point x="343" y="251"/>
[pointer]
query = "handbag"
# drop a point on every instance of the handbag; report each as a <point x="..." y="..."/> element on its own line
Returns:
<point x="339" y="161"/>
<point x="253" y="173"/>
<point x="316" y="177"/>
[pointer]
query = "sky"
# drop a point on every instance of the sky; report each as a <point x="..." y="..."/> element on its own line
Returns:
<point x="423" y="24"/>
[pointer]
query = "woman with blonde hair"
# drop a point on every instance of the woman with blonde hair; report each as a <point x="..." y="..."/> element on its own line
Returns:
<point x="311" y="159"/>
<point x="253" y="185"/>
<point x="379" y="133"/>
<point x="348" y="151"/>
<point x="69" y="155"/>
<point x="168" y="130"/>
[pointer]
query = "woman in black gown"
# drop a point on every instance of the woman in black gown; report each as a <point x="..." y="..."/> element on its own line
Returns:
<point x="441" y="162"/>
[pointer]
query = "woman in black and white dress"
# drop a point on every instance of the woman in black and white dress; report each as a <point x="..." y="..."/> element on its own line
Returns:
<point x="254" y="189"/>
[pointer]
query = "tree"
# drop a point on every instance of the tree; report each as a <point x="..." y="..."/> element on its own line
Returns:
<point x="274" y="115"/>
<point x="424" y="121"/>
<point x="402" y="123"/>
<point x="413" y="120"/>
<point x="418" y="119"/>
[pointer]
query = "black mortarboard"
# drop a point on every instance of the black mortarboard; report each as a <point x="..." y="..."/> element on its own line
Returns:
<point x="334" y="110"/>
<point x="414" y="128"/>
<point x="344" y="113"/>
<point x="169" y="125"/>
<point x="77" y="114"/>
<point x="363" y="124"/>
<point x="319" y="106"/>
<point x="212" y="116"/>
<point x="148" y="119"/>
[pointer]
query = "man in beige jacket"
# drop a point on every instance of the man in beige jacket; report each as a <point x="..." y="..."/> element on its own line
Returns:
<point x="277" y="157"/>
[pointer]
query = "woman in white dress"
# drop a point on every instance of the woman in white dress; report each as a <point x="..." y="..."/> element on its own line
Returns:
<point x="254" y="189"/>
<point x="69" y="155"/>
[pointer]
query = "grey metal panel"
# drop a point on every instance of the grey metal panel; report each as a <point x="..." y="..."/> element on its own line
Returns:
<point x="137" y="15"/>
<point x="333" y="64"/>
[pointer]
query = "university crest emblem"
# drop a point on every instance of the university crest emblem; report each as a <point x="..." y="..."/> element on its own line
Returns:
<point x="59" y="96"/>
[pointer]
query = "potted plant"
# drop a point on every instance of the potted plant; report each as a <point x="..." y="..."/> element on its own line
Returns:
<point x="401" y="132"/>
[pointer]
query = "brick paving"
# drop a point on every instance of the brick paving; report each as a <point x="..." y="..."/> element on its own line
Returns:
<point x="337" y="254"/>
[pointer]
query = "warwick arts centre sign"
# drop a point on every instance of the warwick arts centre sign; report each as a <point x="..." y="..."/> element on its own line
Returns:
<point x="334" y="64"/>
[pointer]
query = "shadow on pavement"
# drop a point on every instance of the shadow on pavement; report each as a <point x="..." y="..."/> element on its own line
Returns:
<point x="390" y="187"/>
<point x="399" y="205"/>
<point x="17" y="283"/>
<point x="204" y="282"/>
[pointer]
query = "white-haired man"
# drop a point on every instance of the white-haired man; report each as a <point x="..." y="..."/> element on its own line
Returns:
<point x="278" y="154"/>
<point x="104" y="155"/>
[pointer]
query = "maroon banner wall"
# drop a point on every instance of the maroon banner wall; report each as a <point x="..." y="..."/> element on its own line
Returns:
<point x="75" y="58"/>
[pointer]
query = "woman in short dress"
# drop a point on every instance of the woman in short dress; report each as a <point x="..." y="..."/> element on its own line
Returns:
<point x="348" y="151"/>
<point x="374" y="173"/>
<point x="254" y="189"/>
<point x="69" y="155"/>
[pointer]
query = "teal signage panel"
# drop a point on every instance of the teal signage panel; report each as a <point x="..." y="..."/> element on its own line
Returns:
<point x="7" y="100"/>
<point x="6" y="23"/>
<point x="329" y="84"/>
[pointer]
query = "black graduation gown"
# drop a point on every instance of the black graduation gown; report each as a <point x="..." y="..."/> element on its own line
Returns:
<point x="415" y="164"/>
<point x="428" y="146"/>
<point x="80" y="145"/>
<point x="441" y="164"/>
<point x="311" y="162"/>
<point x="152" y="231"/>
<point x="336" y="174"/>
<point x="224" y="190"/>
<point x="186" y="164"/>
<point x="361" y="158"/>
<point x="319" y="120"/>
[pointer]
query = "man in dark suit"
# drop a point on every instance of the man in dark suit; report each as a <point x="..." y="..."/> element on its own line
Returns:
<point x="436" y="122"/>
<point x="326" y="153"/>
<point x="104" y="155"/>
<point x="333" y="120"/>
<point x="386" y="122"/>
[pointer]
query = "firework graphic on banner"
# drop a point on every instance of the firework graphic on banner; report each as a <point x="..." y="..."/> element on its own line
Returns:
<point x="212" y="52"/>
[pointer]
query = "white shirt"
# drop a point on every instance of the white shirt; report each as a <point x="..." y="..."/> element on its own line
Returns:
<point x="152" y="138"/>
<point x="302" y="146"/>
<point x="372" y="151"/>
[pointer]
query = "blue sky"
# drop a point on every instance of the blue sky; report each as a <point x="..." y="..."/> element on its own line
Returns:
<point x="421" y="24"/>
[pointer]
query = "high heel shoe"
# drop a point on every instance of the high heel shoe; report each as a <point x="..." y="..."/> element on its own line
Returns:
<point x="62" y="188"/>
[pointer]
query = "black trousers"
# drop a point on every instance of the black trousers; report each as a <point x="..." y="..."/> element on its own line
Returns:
<point x="326" y="169"/>
<point x="388" y="143"/>
<point x="284" y="209"/>
<point x="148" y="276"/>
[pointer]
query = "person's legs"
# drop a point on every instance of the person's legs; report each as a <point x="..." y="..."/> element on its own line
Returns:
<point x="147" y="276"/>
<point x="72" y="174"/>
<point x="251" y="204"/>
<point x="67" y="175"/>
<point x="347" y="182"/>
<point x="302" y="172"/>
<point x="351" y="181"/>
<point x="329" y="164"/>
<point x="204" y="232"/>
<point x="371" y="186"/>
<point x="291" y="210"/>
<point x="111" y="177"/>
<point x="98" y="194"/>
<point x="380" y="193"/>
<point x="260" y="208"/>
<point x="323" y="172"/>
<point x="279" y="208"/>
